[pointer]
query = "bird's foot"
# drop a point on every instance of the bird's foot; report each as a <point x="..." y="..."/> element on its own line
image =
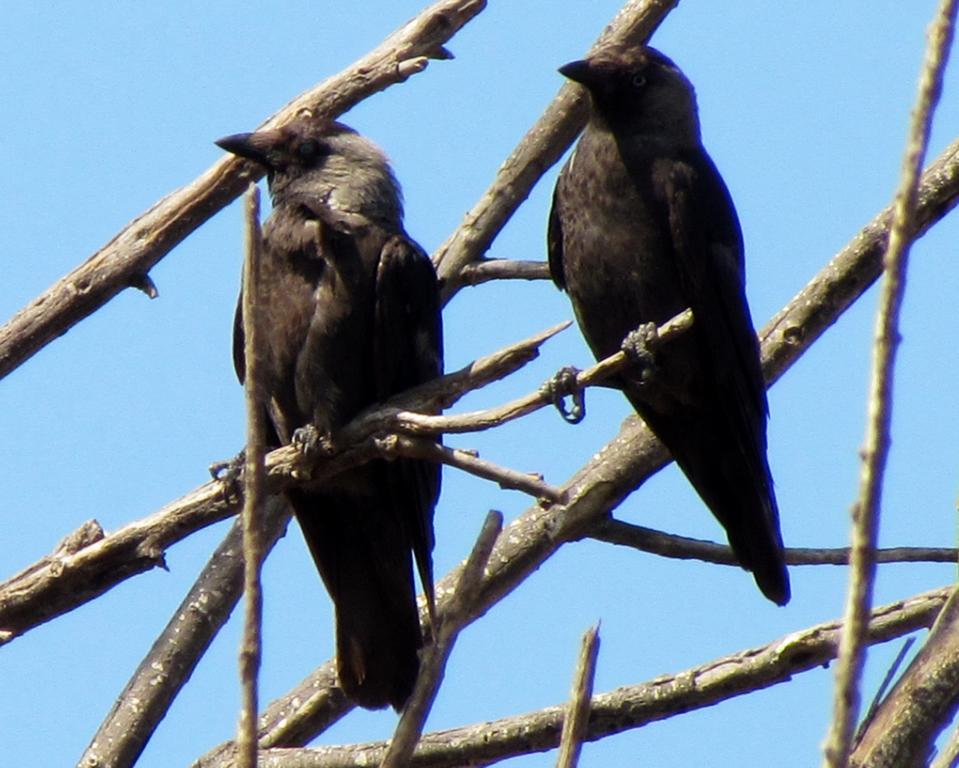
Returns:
<point x="639" y="348"/>
<point x="312" y="443"/>
<point x="563" y="385"/>
<point x="229" y="473"/>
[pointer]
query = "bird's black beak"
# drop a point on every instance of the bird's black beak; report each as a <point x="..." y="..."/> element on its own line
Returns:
<point x="580" y="71"/>
<point x="252" y="146"/>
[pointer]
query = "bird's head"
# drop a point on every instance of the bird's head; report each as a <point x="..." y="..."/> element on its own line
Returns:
<point x="326" y="162"/>
<point x="639" y="88"/>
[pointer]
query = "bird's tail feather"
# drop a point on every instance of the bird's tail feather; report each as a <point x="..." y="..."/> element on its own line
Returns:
<point x="364" y="559"/>
<point x="746" y="507"/>
<point x="735" y="483"/>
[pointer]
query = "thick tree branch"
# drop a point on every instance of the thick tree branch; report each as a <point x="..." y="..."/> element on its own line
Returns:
<point x="635" y="705"/>
<point x="126" y="260"/>
<point x="62" y="581"/>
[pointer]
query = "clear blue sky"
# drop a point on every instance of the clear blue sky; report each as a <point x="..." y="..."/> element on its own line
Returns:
<point x="804" y="109"/>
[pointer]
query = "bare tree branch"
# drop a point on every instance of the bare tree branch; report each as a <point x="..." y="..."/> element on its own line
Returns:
<point x="310" y="708"/>
<point x="576" y="719"/>
<point x="127" y="259"/>
<point x="474" y="421"/>
<point x="632" y="706"/>
<point x="468" y="461"/>
<point x="665" y="544"/>
<point x="401" y="411"/>
<point x="484" y="270"/>
<point x="62" y="581"/>
<point x="865" y="530"/>
<point x="254" y="475"/>
<point x="164" y="671"/>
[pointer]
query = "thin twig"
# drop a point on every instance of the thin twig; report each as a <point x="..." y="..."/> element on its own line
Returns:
<point x="576" y="719"/>
<point x="254" y="476"/>
<point x="476" y="421"/>
<point x="402" y="412"/>
<point x="887" y="681"/>
<point x="876" y="449"/>
<point x="126" y="260"/>
<point x="433" y="663"/>
<point x="638" y="537"/>
<point x="469" y="461"/>
<point x="631" y="706"/>
<point x="484" y="270"/>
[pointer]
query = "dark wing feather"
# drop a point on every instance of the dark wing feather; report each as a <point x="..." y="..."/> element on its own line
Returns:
<point x="239" y="341"/>
<point x="709" y="260"/>
<point x="708" y="252"/>
<point x="239" y="365"/>
<point x="408" y="350"/>
<point x="554" y="239"/>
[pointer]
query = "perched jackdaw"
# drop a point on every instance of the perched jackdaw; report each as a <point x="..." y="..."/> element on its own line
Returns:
<point x="351" y="316"/>
<point x="642" y="227"/>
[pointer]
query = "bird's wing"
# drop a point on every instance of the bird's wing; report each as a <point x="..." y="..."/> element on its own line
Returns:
<point x="554" y="238"/>
<point x="708" y="251"/>
<point x="408" y="340"/>
<point x="239" y="341"/>
<point x="274" y="424"/>
<point x="408" y="350"/>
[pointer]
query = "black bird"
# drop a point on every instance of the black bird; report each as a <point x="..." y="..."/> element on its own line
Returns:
<point x="642" y="227"/>
<point x="352" y="316"/>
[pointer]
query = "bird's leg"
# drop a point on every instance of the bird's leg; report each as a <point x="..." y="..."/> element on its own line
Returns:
<point x="311" y="442"/>
<point x="639" y="346"/>
<point x="563" y="385"/>
<point x="229" y="473"/>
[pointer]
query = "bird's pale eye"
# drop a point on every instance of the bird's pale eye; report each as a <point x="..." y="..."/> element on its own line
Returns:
<point x="638" y="80"/>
